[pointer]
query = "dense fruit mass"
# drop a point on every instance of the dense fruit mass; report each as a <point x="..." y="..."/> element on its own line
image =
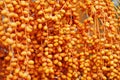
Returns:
<point x="59" y="40"/>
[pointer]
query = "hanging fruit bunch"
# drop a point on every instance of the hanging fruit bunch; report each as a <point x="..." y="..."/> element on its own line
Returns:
<point x="59" y="40"/>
